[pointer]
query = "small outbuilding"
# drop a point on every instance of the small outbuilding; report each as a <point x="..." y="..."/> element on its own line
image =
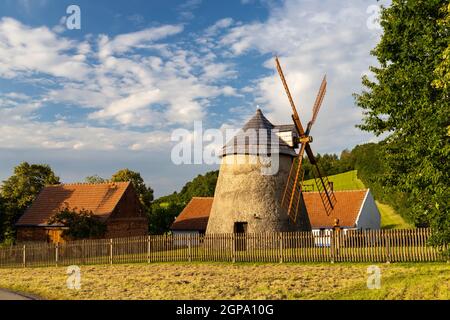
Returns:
<point x="194" y="217"/>
<point x="115" y="203"/>
<point x="354" y="209"/>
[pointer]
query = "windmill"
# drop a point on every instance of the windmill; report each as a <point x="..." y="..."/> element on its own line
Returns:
<point x="292" y="193"/>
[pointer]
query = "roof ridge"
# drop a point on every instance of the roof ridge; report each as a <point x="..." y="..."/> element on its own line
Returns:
<point x="203" y="197"/>
<point x="87" y="183"/>
<point x="350" y="190"/>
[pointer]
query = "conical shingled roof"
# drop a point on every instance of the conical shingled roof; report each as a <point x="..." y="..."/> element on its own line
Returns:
<point x="255" y="138"/>
<point x="258" y="121"/>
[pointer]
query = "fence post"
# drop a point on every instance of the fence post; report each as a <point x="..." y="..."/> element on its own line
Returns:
<point x="280" y="235"/>
<point x="24" y="257"/>
<point x="83" y="260"/>
<point x="149" y="248"/>
<point x="233" y="251"/>
<point x="332" y="245"/>
<point x="56" y="253"/>
<point x="388" y="248"/>
<point x="110" y="251"/>
<point x="190" y="248"/>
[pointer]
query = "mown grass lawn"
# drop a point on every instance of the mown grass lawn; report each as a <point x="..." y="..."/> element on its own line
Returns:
<point x="234" y="281"/>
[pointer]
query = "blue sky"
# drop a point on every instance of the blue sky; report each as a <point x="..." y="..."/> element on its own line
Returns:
<point x="108" y="96"/>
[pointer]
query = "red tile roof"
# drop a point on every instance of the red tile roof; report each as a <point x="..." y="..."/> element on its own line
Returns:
<point x="347" y="208"/>
<point x="195" y="215"/>
<point x="101" y="199"/>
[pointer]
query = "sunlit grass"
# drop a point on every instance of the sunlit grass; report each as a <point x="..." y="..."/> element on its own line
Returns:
<point x="343" y="181"/>
<point x="390" y="219"/>
<point x="234" y="281"/>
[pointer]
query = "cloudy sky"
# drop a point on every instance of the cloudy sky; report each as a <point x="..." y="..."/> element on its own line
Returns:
<point x="108" y="96"/>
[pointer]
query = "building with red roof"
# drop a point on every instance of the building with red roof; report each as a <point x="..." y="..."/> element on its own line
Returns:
<point x="115" y="203"/>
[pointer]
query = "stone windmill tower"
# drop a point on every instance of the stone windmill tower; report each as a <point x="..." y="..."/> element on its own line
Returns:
<point x="247" y="197"/>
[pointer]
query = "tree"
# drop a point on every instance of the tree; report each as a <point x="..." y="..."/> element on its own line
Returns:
<point x="167" y="208"/>
<point x="162" y="216"/>
<point x="200" y="186"/>
<point x="144" y="192"/>
<point x="405" y="102"/>
<point x="346" y="161"/>
<point x="442" y="72"/>
<point x="20" y="190"/>
<point x="81" y="224"/>
<point x="95" y="179"/>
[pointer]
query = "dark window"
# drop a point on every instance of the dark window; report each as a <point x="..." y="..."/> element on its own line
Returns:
<point x="240" y="227"/>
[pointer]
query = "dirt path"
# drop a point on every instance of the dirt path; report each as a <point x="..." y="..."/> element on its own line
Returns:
<point x="8" y="295"/>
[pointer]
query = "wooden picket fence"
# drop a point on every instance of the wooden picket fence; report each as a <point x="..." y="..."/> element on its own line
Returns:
<point x="328" y="246"/>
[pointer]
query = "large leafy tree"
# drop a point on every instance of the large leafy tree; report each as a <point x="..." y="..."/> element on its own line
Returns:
<point x="442" y="72"/>
<point x="200" y="186"/>
<point x="19" y="191"/>
<point x="144" y="192"/>
<point x="408" y="101"/>
<point x="162" y="216"/>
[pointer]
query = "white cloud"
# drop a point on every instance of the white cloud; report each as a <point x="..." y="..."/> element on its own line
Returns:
<point x="130" y="103"/>
<point x="187" y="8"/>
<point x="125" y="42"/>
<point x="312" y="39"/>
<point x="134" y="87"/>
<point x="219" y="25"/>
<point x="25" y="49"/>
<point x="172" y="86"/>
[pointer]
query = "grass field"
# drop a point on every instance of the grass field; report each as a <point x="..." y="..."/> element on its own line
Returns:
<point x="349" y="181"/>
<point x="343" y="181"/>
<point x="234" y="281"/>
<point x="390" y="219"/>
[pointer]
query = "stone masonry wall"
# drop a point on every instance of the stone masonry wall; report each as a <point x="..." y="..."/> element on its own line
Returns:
<point x="243" y="194"/>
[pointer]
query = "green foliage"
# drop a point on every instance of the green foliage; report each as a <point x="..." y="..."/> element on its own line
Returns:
<point x="167" y="208"/>
<point x="19" y="191"/>
<point x="162" y="216"/>
<point x="201" y="186"/>
<point x="95" y="179"/>
<point x="330" y="164"/>
<point x="442" y="72"/>
<point x="81" y="224"/>
<point x="406" y="103"/>
<point x="144" y="192"/>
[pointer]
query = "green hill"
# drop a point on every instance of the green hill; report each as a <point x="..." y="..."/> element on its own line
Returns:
<point x="349" y="181"/>
<point x="343" y="181"/>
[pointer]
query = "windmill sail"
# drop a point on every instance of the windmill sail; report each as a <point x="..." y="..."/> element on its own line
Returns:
<point x="325" y="189"/>
<point x="292" y="194"/>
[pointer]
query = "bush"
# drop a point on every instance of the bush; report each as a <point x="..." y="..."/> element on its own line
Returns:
<point x="81" y="224"/>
